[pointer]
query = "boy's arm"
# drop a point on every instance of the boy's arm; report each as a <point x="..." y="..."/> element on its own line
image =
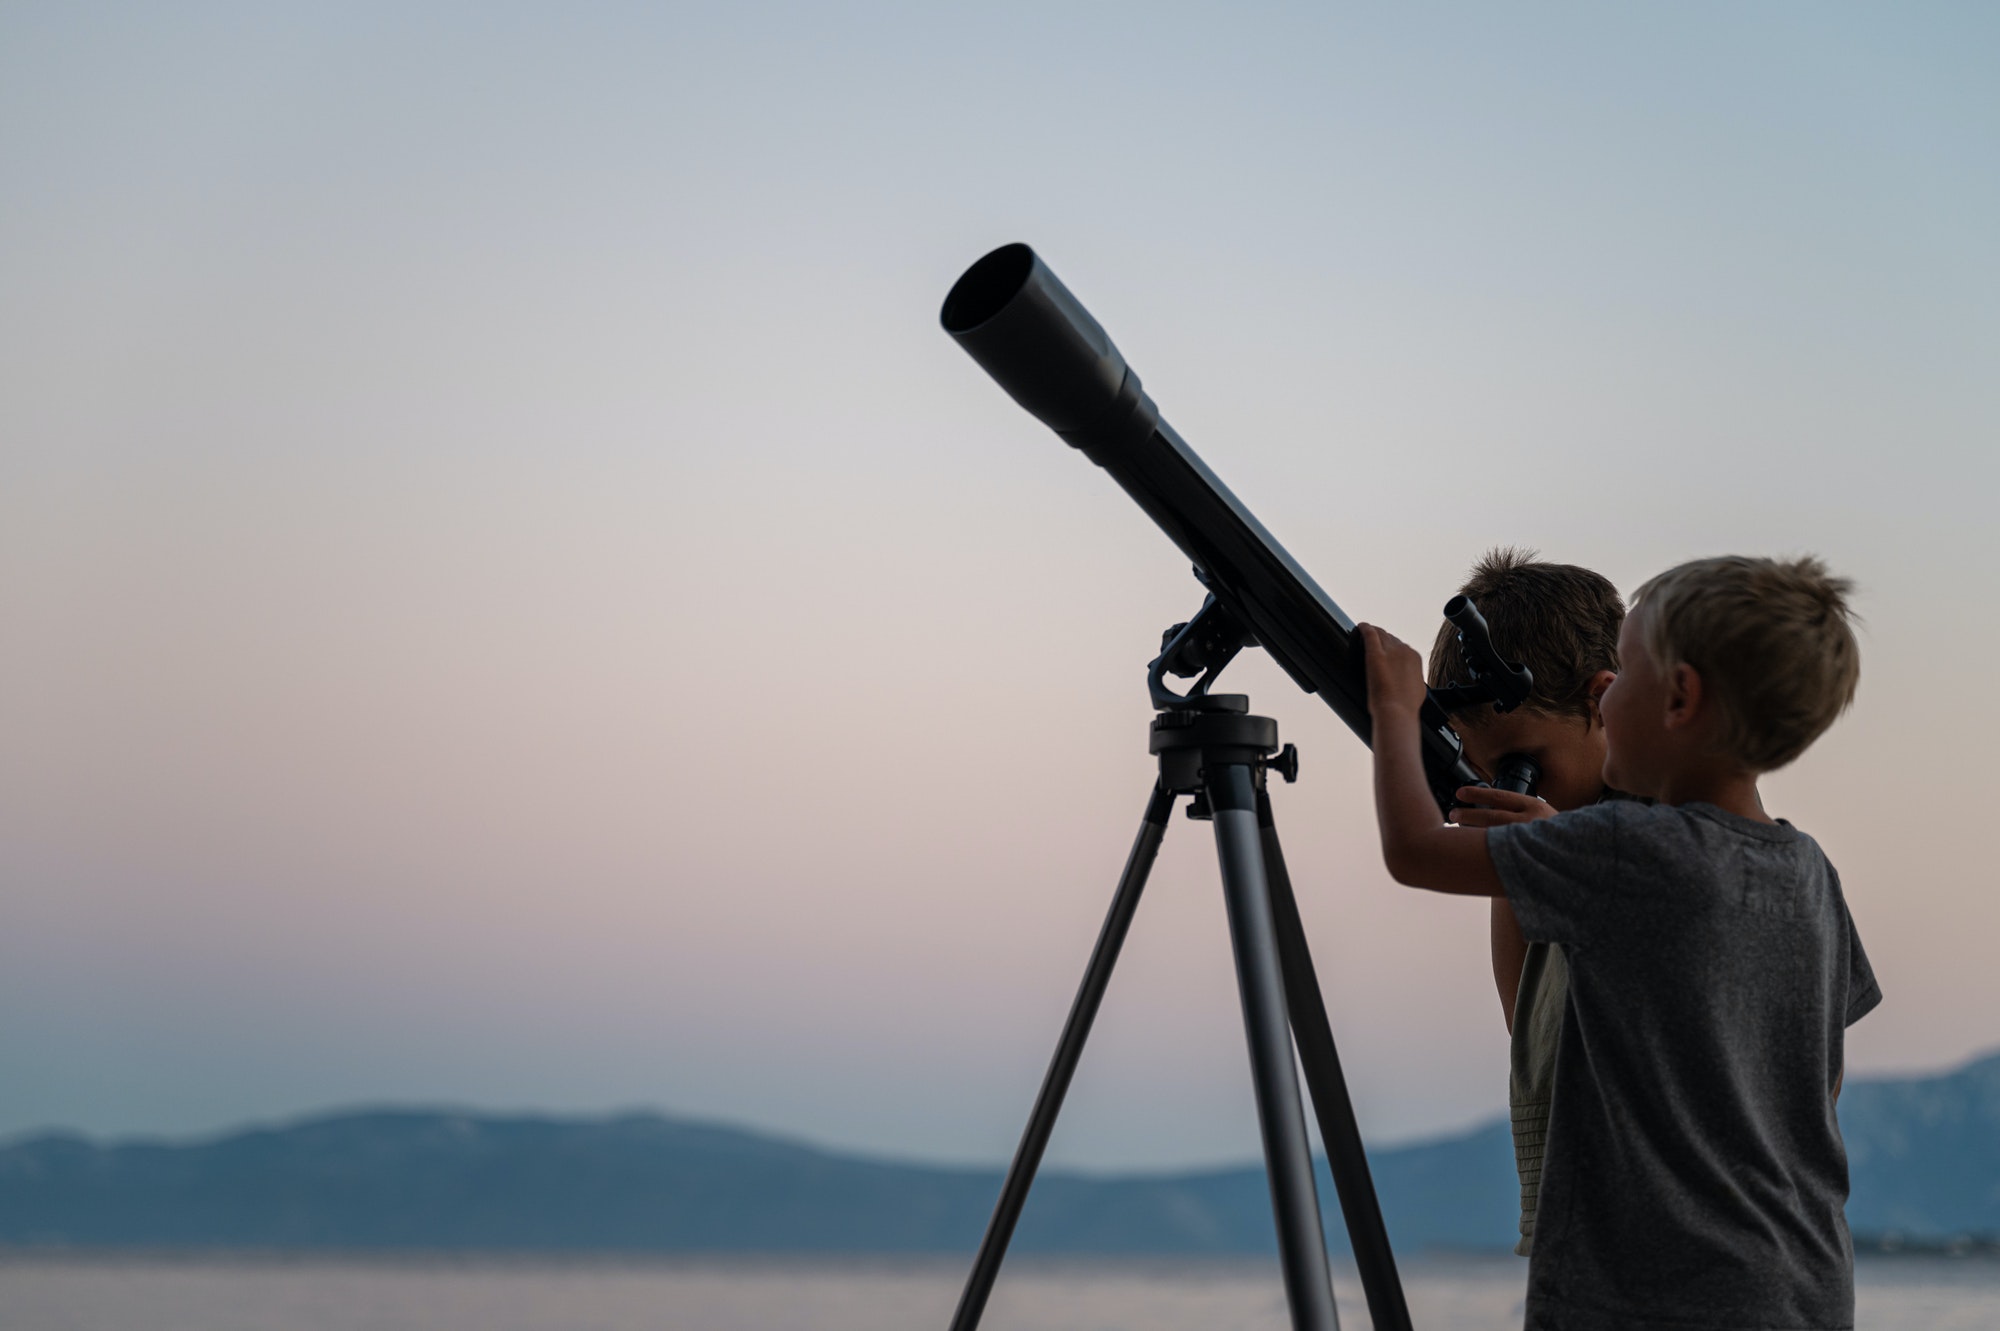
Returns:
<point x="1510" y="949"/>
<point x="1510" y="957"/>
<point x="1419" y="849"/>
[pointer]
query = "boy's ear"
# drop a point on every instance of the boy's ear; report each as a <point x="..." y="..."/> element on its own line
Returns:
<point x="1599" y="682"/>
<point x="1684" y="693"/>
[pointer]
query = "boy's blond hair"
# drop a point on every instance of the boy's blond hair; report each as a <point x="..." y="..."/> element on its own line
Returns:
<point x="1771" y="640"/>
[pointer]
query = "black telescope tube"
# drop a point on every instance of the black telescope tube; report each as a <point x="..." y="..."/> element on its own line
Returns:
<point x="1025" y="329"/>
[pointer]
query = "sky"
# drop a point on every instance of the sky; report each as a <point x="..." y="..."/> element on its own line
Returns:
<point x="508" y="598"/>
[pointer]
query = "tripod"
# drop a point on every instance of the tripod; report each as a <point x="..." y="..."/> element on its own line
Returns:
<point x="1210" y="747"/>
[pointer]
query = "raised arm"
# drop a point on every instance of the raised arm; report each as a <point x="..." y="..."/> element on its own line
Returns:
<point x="1419" y="848"/>
<point x="1510" y="957"/>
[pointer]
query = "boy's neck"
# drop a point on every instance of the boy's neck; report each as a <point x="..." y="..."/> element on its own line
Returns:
<point x="1730" y="789"/>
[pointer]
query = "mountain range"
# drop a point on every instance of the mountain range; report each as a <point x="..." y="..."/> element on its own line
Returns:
<point x="1924" y="1154"/>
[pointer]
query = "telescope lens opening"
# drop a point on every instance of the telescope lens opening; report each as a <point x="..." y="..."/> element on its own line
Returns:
<point x="987" y="287"/>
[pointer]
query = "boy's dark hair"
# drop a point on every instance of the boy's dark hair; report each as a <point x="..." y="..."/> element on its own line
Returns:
<point x="1558" y="620"/>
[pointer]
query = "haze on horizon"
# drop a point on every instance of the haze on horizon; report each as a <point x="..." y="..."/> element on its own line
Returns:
<point x="507" y="597"/>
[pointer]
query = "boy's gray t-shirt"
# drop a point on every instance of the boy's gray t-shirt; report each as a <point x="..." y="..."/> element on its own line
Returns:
<point x="1695" y="1175"/>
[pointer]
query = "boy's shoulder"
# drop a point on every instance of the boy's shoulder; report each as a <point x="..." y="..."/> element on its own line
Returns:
<point x="1566" y="872"/>
<point x="1635" y="827"/>
<point x="1607" y="830"/>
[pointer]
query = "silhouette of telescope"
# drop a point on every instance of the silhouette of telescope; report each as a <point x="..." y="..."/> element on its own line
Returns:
<point x="1025" y="329"/>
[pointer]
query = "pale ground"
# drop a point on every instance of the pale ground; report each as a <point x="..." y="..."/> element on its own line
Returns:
<point x="55" y="1294"/>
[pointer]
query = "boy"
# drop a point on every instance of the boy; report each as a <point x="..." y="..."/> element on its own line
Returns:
<point x="1696" y="1176"/>
<point x="1562" y="622"/>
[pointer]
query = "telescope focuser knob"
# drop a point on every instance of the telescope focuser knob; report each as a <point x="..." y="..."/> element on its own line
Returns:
<point x="1285" y="763"/>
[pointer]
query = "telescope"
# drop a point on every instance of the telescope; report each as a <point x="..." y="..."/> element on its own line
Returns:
<point x="1039" y="343"/>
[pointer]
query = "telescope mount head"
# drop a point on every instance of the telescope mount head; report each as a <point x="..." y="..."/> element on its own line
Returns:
<point x="1200" y="647"/>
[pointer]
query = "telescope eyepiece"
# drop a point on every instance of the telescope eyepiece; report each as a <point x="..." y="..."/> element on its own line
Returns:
<point x="1518" y="773"/>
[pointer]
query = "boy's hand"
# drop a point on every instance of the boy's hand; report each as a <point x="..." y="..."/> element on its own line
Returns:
<point x="1497" y="808"/>
<point x="1416" y="847"/>
<point x="1395" y="672"/>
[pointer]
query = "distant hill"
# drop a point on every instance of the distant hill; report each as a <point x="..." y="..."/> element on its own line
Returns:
<point x="1926" y="1159"/>
<point x="1923" y="1153"/>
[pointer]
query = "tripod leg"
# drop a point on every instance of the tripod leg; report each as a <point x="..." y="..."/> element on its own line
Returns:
<point x="1287" y="1157"/>
<point x="1055" y="1083"/>
<point x="1337" y="1128"/>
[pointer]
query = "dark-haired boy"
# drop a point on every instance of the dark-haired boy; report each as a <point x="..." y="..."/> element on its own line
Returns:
<point x="1562" y="622"/>
<point x="1698" y="1178"/>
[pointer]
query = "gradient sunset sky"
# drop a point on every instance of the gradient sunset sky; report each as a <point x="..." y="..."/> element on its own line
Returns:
<point x="508" y="599"/>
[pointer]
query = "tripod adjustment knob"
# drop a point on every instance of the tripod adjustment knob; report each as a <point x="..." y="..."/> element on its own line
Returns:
<point x="1285" y="763"/>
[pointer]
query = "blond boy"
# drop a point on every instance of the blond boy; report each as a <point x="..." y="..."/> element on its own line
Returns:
<point x="1695" y="1176"/>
